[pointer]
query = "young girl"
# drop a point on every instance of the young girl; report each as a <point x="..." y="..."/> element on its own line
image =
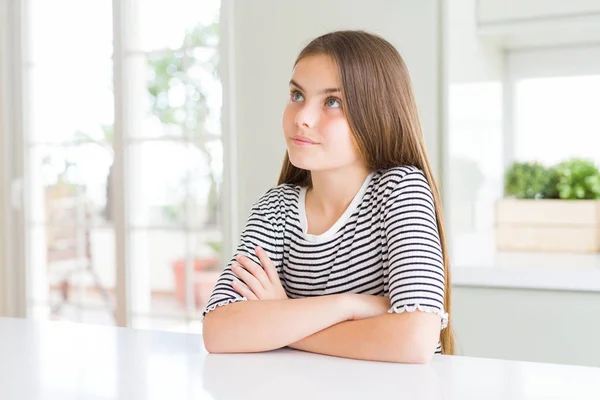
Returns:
<point x="346" y="256"/>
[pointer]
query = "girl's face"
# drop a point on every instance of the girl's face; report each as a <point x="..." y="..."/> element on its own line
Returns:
<point x="316" y="131"/>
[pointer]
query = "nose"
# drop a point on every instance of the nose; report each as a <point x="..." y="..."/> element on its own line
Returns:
<point x="307" y="116"/>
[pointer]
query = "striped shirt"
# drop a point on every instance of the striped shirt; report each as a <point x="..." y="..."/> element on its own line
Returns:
<point x="386" y="244"/>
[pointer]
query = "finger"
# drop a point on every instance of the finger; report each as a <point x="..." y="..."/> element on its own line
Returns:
<point x="255" y="269"/>
<point x="267" y="264"/>
<point x="243" y="290"/>
<point x="248" y="279"/>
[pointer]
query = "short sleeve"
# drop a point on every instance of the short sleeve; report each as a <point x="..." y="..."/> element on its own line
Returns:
<point x="415" y="264"/>
<point x="259" y="231"/>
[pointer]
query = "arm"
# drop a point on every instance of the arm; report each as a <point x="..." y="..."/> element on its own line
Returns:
<point x="254" y="326"/>
<point x="275" y="321"/>
<point x="405" y="338"/>
<point x="235" y="323"/>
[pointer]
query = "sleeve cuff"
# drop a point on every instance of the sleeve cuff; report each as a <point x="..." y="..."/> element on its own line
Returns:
<point x="220" y="304"/>
<point x="407" y="308"/>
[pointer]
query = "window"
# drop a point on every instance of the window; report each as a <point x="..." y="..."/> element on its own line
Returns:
<point x="545" y="110"/>
<point x="164" y="108"/>
<point x="67" y="138"/>
<point x="557" y="118"/>
<point x="555" y="97"/>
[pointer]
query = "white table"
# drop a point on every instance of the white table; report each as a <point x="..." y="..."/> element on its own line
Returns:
<point x="70" y="361"/>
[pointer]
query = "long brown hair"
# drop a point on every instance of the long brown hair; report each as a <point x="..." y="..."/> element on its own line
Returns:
<point x="380" y="108"/>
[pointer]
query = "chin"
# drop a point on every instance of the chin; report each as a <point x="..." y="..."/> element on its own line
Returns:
<point x="302" y="162"/>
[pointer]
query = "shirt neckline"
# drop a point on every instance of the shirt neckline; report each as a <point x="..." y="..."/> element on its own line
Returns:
<point x="341" y="220"/>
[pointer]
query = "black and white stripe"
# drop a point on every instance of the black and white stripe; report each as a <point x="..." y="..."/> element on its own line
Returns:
<point x="387" y="243"/>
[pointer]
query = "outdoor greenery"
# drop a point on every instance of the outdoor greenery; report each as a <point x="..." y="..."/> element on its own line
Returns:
<point x="574" y="179"/>
<point x="172" y="68"/>
<point x="167" y="69"/>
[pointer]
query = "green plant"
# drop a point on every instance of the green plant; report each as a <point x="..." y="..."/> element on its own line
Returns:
<point x="530" y="180"/>
<point x="578" y="179"/>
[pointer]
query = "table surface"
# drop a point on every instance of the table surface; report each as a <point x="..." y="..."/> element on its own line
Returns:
<point x="61" y="360"/>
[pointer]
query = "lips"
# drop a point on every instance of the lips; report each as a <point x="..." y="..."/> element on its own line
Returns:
<point x="303" y="140"/>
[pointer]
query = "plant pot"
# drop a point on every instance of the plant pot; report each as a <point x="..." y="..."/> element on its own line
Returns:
<point x="548" y="225"/>
<point x="203" y="281"/>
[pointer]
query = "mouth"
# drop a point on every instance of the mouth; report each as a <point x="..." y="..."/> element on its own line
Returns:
<point x="302" y="141"/>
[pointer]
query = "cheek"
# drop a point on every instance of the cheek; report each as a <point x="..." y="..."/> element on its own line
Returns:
<point x="338" y="134"/>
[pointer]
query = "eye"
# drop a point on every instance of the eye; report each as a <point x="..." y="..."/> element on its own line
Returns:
<point x="333" y="102"/>
<point x="296" y="95"/>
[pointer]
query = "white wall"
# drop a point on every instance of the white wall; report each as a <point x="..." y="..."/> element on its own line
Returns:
<point x="469" y="59"/>
<point x="267" y="35"/>
<point x="2" y="206"/>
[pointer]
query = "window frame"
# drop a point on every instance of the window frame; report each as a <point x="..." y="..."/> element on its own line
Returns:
<point x="13" y="286"/>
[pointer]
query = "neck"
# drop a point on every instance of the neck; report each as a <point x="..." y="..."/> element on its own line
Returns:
<point x="333" y="190"/>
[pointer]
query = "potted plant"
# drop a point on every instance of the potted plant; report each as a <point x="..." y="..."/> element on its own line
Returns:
<point x="554" y="208"/>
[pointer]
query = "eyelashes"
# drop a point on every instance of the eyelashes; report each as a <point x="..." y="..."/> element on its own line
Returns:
<point x="331" y="102"/>
<point x="294" y="94"/>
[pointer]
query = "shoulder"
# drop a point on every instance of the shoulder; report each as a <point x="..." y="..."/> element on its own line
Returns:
<point x="406" y="198"/>
<point x="404" y="188"/>
<point x="278" y="198"/>
<point x="399" y="178"/>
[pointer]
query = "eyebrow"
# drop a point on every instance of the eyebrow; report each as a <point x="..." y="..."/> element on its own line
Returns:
<point x="324" y="91"/>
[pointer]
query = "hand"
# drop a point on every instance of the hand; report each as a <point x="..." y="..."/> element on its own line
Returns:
<point x="367" y="306"/>
<point x="262" y="283"/>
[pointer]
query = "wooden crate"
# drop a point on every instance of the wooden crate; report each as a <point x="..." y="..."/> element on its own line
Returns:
<point x="548" y="225"/>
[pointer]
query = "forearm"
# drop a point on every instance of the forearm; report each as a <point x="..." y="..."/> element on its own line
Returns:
<point x="254" y="326"/>
<point x="405" y="338"/>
